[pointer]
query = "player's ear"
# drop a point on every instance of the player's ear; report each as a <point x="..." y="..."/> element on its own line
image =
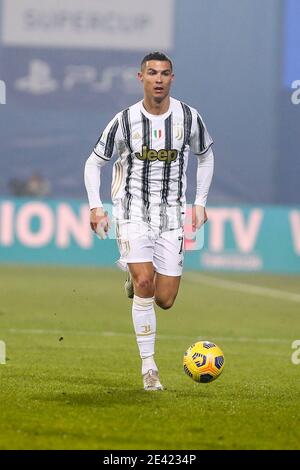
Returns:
<point x="140" y="76"/>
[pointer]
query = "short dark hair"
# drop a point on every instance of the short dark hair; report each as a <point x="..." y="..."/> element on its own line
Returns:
<point x="156" y="55"/>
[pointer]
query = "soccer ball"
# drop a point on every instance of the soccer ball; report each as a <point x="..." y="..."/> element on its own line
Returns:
<point x="203" y="361"/>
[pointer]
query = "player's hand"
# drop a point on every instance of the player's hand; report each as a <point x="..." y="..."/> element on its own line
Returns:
<point x="199" y="217"/>
<point x="99" y="222"/>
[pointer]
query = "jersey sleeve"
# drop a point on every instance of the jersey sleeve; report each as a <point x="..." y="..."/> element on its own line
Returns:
<point x="108" y="141"/>
<point x="200" y="140"/>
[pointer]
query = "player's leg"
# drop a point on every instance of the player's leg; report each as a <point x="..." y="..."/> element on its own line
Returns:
<point x="143" y="278"/>
<point x="136" y="249"/>
<point x="132" y="239"/>
<point x="168" y="261"/>
<point x="166" y="290"/>
<point x="144" y="321"/>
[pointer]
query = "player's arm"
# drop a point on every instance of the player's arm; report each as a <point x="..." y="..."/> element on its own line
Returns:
<point x="200" y="144"/>
<point x="205" y="171"/>
<point x="102" y="153"/>
<point x="99" y="220"/>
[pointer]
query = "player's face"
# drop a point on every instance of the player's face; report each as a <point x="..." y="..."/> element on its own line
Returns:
<point x="156" y="77"/>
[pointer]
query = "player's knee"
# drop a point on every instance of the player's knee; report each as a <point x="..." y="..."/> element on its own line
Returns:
<point x="166" y="303"/>
<point x="143" y="283"/>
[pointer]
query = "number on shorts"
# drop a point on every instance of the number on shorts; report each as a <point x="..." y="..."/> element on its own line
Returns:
<point x="181" y="245"/>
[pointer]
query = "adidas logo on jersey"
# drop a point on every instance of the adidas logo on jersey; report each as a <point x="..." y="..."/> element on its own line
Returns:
<point x="136" y="136"/>
<point x="152" y="155"/>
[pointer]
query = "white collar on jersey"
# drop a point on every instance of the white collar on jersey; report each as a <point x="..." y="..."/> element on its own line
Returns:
<point x="156" y="116"/>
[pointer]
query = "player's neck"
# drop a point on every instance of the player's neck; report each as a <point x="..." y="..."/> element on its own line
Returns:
<point x="154" y="107"/>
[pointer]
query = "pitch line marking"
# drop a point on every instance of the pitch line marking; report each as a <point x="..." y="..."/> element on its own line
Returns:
<point x="241" y="287"/>
<point x="240" y="339"/>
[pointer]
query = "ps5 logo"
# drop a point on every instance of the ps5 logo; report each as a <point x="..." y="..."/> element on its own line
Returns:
<point x="39" y="79"/>
<point x="2" y="92"/>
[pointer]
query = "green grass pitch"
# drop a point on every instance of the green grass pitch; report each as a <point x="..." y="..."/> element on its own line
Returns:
<point x="72" y="377"/>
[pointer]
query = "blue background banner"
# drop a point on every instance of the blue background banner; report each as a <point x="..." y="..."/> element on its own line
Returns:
<point x="42" y="79"/>
<point x="65" y="81"/>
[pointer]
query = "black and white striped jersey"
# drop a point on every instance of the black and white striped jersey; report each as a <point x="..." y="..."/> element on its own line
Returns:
<point x="149" y="176"/>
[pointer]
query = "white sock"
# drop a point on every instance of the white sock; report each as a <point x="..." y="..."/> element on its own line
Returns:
<point x="147" y="364"/>
<point x="144" y="321"/>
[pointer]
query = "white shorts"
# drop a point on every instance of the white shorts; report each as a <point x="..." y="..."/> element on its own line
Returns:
<point x="139" y="243"/>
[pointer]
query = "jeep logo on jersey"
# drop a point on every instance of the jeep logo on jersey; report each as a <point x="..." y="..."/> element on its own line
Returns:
<point x="152" y="155"/>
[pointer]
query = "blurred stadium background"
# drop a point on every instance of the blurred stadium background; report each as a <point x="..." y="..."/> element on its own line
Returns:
<point x="66" y="67"/>
<point x="69" y="67"/>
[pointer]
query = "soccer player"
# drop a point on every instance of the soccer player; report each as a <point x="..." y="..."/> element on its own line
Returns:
<point x="152" y="139"/>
